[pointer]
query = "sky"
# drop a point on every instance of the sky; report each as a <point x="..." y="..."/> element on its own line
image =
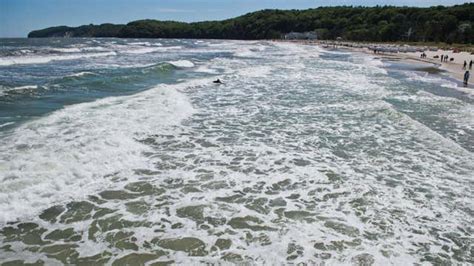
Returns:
<point x="18" y="17"/>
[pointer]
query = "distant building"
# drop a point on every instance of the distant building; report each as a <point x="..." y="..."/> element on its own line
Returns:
<point x="310" y="35"/>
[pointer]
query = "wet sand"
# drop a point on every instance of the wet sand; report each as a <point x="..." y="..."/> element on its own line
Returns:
<point x="452" y="69"/>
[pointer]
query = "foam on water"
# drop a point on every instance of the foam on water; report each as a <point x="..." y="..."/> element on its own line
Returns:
<point x="6" y="124"/>
<point x="80" y="74"/>
<point x="67" y="50"/>
<point x="5" y="90"/>
<point x="69" y="154"/>
<point x="22" y="60"/>
<point x="427" y="78"/>
<point x="182" y="63"/>
<point x="144" y="50"/>
<point x="294" y="159"/>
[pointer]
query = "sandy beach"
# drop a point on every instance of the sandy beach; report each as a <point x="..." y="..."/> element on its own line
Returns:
<point x="452" y="68"/>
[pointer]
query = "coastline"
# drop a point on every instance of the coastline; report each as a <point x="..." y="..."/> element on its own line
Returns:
<point x="452" y="70"/>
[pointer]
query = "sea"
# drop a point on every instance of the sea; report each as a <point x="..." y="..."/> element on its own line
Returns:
<point x="124" y="152"/>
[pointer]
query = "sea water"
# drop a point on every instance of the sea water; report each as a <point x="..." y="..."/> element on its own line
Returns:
<point x="116" y="151"/>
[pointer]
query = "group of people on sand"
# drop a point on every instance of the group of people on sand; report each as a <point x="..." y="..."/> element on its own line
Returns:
<point x="444" y="58"/>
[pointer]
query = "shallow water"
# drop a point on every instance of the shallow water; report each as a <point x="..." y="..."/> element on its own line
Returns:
<point x="123" y="151"/>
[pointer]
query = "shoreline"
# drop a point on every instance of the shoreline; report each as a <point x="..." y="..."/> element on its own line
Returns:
<point x="451" y="70"/>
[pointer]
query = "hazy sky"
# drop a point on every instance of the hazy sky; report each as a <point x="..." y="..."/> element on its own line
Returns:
<point x="18" y="17"/>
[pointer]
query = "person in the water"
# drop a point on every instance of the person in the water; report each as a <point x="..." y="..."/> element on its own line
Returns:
<point x="466" y="77"/>
<point x="217" y="81"/>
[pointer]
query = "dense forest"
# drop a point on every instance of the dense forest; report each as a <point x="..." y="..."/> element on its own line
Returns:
<point x="453" y="24"/>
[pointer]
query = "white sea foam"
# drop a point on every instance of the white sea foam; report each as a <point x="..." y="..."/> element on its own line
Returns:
<point x="4" y="90"/>
<point x="245" y="52"/>
<point x="20" y="60"/>
<point x="206" y="69"/>
<point x="101" y="49"/>
<point x="80" y="74"/>
<point x="6" y="124"/>
<point x="443" y="82"/>
<point x="126" y="49"/>
<point x="26" y="87"/>
<point x="141" y="50"/>
<point x="140" y="43"/>
<point x="309" y="150"/>
<point x="182" y="63"/>
<point x="452" y="85"/>
<point x="67" y="50"/>
<point x="70" y="153"/>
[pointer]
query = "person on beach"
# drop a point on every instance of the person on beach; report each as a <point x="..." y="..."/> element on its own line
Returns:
<point x="465" y="65"/>
<point x="470" y="65"/>
<point x="466" y="77"/>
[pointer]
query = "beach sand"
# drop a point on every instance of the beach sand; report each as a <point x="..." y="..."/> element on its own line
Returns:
<point x="452" y="69"/>
<point x="455" y="68"/>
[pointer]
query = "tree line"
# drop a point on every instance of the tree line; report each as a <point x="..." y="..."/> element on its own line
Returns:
<point x="454" y="24"/>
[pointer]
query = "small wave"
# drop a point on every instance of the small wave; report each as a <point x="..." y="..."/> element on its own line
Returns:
<point x="6" y="124"/>
<point x="18" y="88"/>
<point x="140" y="43"/>
<point x="88" y="49"/>
<point x="182" y="63"/>
<point x="244" y="52"/>
<point x="25" y="60"/>
<point x="206" y="69"/>
<point x="144" y="50"/>
<point x="452" y="85"/>
<point x="80" y="74"/>
<point x="443" y="82"/>
<point x="125" y="49"/>
<point x="67" y="50"/>
<point x="72" y="149"/>
<point x="27" y="87"/>
<point x="159" y="67"/>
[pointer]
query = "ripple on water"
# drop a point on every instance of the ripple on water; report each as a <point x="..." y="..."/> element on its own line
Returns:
<point x="291" y="165"/>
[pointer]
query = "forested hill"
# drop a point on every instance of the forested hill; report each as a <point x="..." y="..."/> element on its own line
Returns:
<point x="445" y="24"/>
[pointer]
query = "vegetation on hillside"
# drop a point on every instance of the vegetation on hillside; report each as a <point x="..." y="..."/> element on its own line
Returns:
<point x="453" y="24"/>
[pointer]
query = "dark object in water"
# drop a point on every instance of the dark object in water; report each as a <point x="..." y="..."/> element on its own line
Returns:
<point x="217" y="81"/>
<point x="451" y="59"/>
